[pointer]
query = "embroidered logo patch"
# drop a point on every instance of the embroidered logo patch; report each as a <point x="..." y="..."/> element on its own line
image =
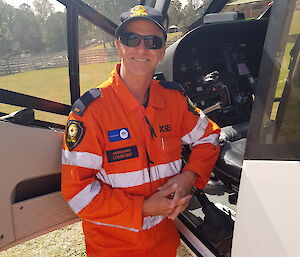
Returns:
<point x="118" y="134"/>
<point x="74" y="134"/>
<point x="122" y="154"/>
<point x="165" y="128"/>
<point x="138" y="10"/>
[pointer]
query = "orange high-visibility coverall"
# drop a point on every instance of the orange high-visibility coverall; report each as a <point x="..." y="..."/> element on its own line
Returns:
<point x="117" y="153"/>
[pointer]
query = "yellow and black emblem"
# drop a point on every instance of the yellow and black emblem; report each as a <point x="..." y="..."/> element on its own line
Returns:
<point x="74" y="134"/>
<point x="138" y="10"/>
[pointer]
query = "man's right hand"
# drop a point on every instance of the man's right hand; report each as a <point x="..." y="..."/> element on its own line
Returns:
<point x="160" y="203"/>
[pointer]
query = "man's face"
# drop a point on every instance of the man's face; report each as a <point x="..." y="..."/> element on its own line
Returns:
<point x="139" y="60"/>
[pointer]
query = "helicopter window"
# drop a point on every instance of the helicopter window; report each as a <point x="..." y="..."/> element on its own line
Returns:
<point x="112" y="9"/>
<point x="276" y="133"/>
<point x="250" y="8"/>
<point x="33" y="58"/>
<point x="97" y="55"/>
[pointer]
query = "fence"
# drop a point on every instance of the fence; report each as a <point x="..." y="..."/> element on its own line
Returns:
<point x="37" y="62"/>
<point x="58" y="60"/>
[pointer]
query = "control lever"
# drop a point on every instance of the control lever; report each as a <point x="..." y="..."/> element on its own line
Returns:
<point x="212" y="108"/>
<point x="217" y="226"/>
<point x="22" y="117"/>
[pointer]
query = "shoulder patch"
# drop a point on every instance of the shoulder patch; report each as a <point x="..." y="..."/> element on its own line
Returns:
<point x="82" y="102"/>
<point x="172" y="85"/>
<point x="74" y="133"/>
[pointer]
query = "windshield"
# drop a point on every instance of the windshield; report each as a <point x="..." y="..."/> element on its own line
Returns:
<point x="185" y="12"/>
<point x="250" y="8"/>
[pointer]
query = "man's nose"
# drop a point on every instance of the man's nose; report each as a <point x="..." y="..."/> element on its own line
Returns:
<point x="141" y="46"/>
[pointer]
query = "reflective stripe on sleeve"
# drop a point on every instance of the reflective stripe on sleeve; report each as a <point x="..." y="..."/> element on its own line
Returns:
<point x="211" y="139"/>
<point x="198" y="131"/>
<point x="140" y="177"/>
<point x="165" y="170"/>
<point x="127" y="179"/>
<point x="82" y="159"/>
<point x="85" y="196"/>
<point x="149" y="222"/>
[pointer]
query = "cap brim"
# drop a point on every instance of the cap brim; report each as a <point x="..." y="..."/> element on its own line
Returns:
<point x="124" y="23"/>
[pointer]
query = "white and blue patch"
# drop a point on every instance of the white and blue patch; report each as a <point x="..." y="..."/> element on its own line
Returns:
<point x="118" y="135"/>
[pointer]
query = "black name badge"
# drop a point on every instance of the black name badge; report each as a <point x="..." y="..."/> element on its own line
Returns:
<point x="122" y="154"/>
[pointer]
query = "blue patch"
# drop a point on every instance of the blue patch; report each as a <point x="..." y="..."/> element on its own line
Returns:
<point x="122" y="154"/>
<point x="118" y="135"/>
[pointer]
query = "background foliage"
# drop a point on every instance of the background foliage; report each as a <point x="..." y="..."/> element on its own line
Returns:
<point x="38" y="28"/>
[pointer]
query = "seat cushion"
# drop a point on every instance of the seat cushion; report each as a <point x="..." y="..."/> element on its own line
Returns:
<point x="234" y="132"/>
<point x="231" y="158"/>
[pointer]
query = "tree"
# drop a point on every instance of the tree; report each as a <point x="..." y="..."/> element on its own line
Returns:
<point x="189" y="13"/>
<point x="55" y="32"/>
<point x="27" y="31"/>
<point x="43" y="9"/>
<point x="175" y="12"/>
<point x="6" y="41"/>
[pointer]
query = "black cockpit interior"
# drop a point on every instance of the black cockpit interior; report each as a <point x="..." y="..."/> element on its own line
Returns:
<point x="218" y="65"/>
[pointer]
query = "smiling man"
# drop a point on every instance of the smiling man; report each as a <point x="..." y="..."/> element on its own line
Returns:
<point x="122" y="169"/>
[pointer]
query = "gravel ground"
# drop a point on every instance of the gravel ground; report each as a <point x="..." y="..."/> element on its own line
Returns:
<point x="55" y="244"/>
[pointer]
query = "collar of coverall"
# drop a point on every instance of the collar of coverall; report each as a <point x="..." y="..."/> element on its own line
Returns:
<point x="127" y="99"/>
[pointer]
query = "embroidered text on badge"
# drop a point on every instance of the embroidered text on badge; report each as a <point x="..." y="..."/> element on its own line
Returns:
<point x="122" y="154"/>
<point x="118" y="135"/>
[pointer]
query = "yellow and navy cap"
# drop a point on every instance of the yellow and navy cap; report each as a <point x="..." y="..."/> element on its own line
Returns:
<point x="141" y="12"/>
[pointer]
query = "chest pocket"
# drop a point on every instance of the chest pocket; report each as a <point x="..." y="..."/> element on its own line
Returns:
<point x="169" y="148"/>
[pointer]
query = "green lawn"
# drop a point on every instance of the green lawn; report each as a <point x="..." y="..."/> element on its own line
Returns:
<point x="53" y="84"/>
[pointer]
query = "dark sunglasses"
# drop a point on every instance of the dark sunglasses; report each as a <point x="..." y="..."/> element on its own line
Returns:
<point x="133" y="40"/>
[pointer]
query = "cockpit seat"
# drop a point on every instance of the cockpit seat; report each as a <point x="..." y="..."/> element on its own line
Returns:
<point x="229" y="164"/>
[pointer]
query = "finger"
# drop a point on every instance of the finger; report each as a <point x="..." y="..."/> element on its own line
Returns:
<point x="184" y="200"/>
<point x="175" y="213"/>
<point x="177" y="196"/>
<point x="169" y="190"/>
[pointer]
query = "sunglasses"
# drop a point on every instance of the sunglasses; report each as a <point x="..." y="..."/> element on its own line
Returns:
<point x="133" y="40"/>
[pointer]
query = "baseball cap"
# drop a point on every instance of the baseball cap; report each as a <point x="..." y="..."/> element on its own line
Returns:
<point x="141" y="12"/>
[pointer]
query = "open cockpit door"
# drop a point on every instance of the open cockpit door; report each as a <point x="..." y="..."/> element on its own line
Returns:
<point x="43" y="75"/>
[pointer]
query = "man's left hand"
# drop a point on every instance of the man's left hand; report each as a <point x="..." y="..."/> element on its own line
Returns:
<point x="182" y="196"/>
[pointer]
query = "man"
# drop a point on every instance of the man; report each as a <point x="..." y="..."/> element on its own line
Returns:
<point x="122" y="149"/>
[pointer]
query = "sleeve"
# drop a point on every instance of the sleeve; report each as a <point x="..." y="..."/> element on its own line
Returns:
<point x="202" y="135"/>
<point x="88" y="196"/>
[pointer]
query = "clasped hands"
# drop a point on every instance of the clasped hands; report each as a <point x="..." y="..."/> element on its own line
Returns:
<point x="179" y="186"/>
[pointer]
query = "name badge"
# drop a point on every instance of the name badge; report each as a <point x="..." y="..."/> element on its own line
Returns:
<point x="122" y="154"/>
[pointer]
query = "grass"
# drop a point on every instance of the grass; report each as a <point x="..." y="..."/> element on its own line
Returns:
<point x="64" y="242"/>
<point x="53" y="84"/>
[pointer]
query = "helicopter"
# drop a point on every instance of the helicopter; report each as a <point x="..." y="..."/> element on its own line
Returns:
<point x="242" y="71"/>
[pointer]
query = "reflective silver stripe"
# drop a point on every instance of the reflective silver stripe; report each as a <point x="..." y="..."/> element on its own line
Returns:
<point x="82" y="159"/>
<point x="198" y="131"/>
<point x="165" y="170"/>
<point x="148" y="222"/>
<point x="113" y="226"/>
<point x="85" y="196"/>
<point x="127" y="179"/>
<point x="211" y="139"/>
<point x="140" y="177"/>
<point x="151" y="221"/>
